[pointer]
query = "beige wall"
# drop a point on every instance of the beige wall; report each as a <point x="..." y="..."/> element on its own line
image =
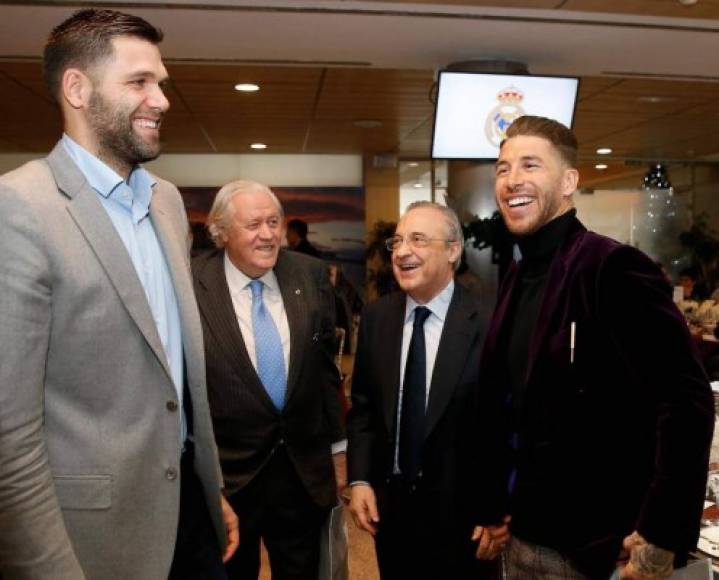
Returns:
<point x="696" y="186"/>
<point x="381" y="193"/>
<point x="706" y="194"/>
<point x="216" y="170"/>
<point x="275" y="170"/>
<point x="381" y="204"/>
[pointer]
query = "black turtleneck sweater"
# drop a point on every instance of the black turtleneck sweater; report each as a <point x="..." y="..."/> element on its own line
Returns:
<point x="538" y="250"/>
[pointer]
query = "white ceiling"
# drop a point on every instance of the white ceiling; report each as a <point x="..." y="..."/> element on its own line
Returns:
<point x="374" y="59"/>
<point x="400" y="35"/>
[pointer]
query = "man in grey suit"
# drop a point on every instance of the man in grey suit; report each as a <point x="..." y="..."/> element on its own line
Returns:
<point x="108" y="467"/>
<point x="268" y="321"/>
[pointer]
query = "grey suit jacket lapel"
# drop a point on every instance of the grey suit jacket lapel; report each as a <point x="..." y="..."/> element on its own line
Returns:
<point x="457" y="337"/>
<point x="97" y="228"/>
<point x="294" y="286"/>
<point x="173" y="240"/>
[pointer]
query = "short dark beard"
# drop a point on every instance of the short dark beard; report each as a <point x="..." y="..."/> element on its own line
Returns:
<point x="118" y="144"/>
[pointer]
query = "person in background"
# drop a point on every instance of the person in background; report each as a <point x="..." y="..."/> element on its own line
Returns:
<point x="693" y="288"/>
<point x="108" y="465"/>
<point x="465" y="276"/>
<point x="411" y="428"/>
<point x="593" y="383"/>
<point x="347" y="300"/>
<point x="297" y="238"/>
<point x="268" y="321"/>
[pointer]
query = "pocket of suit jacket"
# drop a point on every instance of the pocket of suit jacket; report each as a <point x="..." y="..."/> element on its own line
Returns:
<point x="84" y="492"/>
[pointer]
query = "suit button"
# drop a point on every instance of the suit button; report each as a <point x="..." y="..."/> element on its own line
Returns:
<point x="171" y="474"/>
<point x="171" y="406"/>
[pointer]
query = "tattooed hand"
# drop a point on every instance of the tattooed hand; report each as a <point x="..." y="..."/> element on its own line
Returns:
<point x="646" y="561"/>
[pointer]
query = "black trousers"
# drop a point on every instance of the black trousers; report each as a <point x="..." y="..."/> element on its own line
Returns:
<point x="197" y="550"/>
<point x="413" y="539"/>
<point x="276" y="508"/>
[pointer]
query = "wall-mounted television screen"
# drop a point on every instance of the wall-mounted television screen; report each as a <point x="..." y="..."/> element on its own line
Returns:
<point x="474" y="110"/>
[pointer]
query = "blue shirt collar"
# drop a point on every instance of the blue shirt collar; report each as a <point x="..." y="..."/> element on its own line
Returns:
<point x="105" y="180"/>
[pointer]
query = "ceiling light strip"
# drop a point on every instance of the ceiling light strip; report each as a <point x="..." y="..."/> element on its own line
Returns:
<point x="315" y="105"/>
<point x="647" y="75"/>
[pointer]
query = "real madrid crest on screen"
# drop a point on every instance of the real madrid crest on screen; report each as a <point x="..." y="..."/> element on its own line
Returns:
<point x="504" y="114"/>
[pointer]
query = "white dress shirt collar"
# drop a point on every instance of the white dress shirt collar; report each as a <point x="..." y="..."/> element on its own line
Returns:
<point x="237" y="280"/>
<point x="438" y="306"/>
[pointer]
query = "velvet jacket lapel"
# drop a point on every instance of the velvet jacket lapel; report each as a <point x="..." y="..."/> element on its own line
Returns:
<point x="555" y="293"/>
<point x="504" y="299"/>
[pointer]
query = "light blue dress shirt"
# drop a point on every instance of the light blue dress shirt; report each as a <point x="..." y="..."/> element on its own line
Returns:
<point x="127" y="203"/>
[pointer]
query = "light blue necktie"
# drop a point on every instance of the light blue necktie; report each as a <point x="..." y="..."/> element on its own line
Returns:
<point x="268" y="348"/>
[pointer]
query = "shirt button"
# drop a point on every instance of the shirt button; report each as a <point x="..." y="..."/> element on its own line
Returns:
<point x="171" y="406"/>
<point x="171" y="474"/>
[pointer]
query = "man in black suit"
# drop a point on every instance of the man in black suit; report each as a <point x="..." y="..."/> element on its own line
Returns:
<point x="411" y="428"/>
<point x="268" y="321"/>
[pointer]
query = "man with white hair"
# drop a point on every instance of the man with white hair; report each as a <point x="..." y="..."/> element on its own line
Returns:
<point x="268" y="321"/>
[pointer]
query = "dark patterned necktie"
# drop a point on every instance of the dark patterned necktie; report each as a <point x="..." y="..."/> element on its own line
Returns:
<point x="414" y="395"/>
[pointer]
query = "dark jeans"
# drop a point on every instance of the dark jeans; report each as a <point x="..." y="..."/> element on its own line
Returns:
<point x="197" y="551"/>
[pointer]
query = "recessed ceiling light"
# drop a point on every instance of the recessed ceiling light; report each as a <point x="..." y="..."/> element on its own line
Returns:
<point x="601" y="166"/>
<point x="247" y="87"/>
<point x="367" y="123"/>
<point x="258" y="146"/>
<point x="417" y="185"/>
<point x="412" y="164"/>
<point x="604" y="151"/>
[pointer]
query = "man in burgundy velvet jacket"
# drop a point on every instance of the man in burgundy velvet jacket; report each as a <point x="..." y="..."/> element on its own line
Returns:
<point x="607" y="412"/>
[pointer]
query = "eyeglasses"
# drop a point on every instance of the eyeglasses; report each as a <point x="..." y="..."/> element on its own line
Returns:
<point x="413" y="240"/>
